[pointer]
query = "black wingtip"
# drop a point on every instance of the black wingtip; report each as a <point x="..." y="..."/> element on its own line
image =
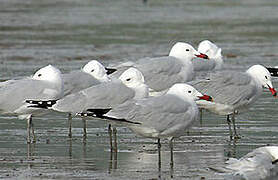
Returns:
<point x="273" y="71"/>
<point x="275" y="161"/>
<point x="41" y="104"/>
<point x="110" y="70"/>
<point x="99" y="112"/>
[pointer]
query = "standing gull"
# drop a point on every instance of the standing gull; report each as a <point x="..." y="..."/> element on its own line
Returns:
<point x="45" y="84"/>
<point x="166" y="116"/>
<point x="130" y="85"/>
<point x="234" y="92"/>
<point x="162" y="72"/>
<point x="93" y="73"/>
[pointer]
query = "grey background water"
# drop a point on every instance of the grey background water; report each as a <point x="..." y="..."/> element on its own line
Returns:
<point x="68" y="33"/>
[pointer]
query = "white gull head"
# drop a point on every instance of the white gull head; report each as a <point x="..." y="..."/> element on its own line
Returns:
<point x="184" y="51"/>
<point x="96" y="69"/>
<point x="186" y="91"/>
<point x="262" y="76"/>
<point x="51" y="74"/>
<point x="134" y="79"/>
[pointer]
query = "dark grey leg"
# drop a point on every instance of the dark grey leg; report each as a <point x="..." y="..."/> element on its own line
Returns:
<point x="84" y="127"/>
<point x="201" y="117"/>
<point x="33" y="130"/>
<point x="115" y="140"/>
<point x="70" y="125"/>
<point x="236" y="136"/>
<point x="171" y="157"/>
<point x="230" y="129"/>
<point x="159" y="158"/>
<point x="28" y="130"/>
<point x="110" y="137"/>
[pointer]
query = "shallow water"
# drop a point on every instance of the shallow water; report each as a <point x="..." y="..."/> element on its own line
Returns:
<point x="68" y="34"/>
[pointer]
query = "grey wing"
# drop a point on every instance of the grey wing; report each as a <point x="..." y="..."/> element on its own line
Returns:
<point x="77" y="80"/>
<point x="203" y="64"/>
<point x="14" y="93"/>
<point x="104" y="95"/>
<point x="227" y="87"/>
<point x="161" y="73"/>
<point x="164" y="113"/>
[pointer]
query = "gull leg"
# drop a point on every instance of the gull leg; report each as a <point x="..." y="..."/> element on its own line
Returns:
<point x="201" y="117"/>
<point x="171" y="157"/>
<point x="115" y="140"/>
<point x="230" y="129"/>
<point x="70" y="125"/>
<point x="28" y="130"/>
<point x="110" y="137"/>
<point x="84" y="127"/>
<point x="236" y="136"/>
<point x="159" y="157"/>
<point x="33" y="130"/>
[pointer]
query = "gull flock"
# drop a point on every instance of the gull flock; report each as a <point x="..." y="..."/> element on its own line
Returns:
<point x="155" y="97"/>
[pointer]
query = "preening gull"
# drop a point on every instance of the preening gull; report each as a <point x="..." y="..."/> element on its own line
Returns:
<point x="45" y="84"/>
<point x="259" y="164"/>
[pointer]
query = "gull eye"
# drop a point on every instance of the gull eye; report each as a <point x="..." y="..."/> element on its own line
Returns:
<point x="189" y="91"/>
<point x="39" y="75"/>
<point x="92" y="70"/>
<point x="265" y="77"/>
<point x="128" y="79"/>
<point x="187" y="49"/>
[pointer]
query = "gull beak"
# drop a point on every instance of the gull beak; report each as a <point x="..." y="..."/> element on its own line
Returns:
<point x="273" y="92"/>
<point x="206" y="97"/>
<point x="201" y="55"/>
<point x="110" y="70"/>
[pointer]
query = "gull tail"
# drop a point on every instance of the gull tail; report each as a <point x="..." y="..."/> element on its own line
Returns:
<point x="100" y="113"/>
<point x="110" y="70"/>
<point x="41" y="104"/>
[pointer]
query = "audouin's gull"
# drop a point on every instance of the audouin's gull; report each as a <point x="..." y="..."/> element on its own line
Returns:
<point x="162" y="72"/>
<point x="45" y="84"/>
<point x="261" y="163"/>
<point x="165" y="116"/>
<point x="213" y="52"/>
<point x="233" y="92"/>
<point x="93" y="73"/>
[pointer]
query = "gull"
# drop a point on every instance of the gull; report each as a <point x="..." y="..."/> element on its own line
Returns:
<point x="165" y="116"/>
<point x="93" y="73"/>
<point x="45" y="84"/>
<point x="234" y="92"/>
<point x="213" y="52"/>
<point x="162" y="72"/>
<point x="257" y="164"/>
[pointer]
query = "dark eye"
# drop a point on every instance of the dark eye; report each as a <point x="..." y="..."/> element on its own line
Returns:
<point x="189" y="91"/>
<point x="265" y="77"/>
<point x="128" y="79"/>
<point x="92" y="70"/>
<point x="187" y="49"/>
<point x="39" y="75"/>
